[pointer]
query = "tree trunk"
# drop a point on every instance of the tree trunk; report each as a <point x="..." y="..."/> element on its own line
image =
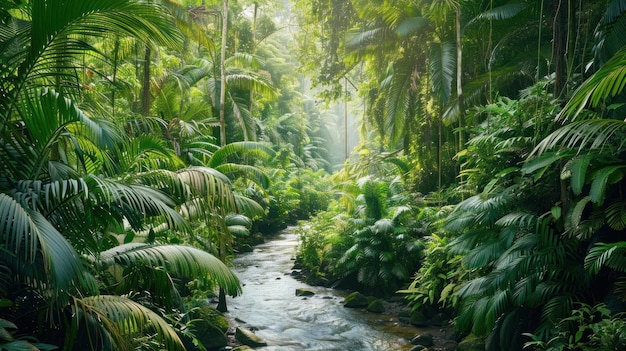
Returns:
<point x="459" y="84"/>
<point x="561" y="21"/>
<point x="223" y="74"/>
<point x="221" y="306"/>
<point x="559" y="45"/>
<point x="145" y="86"/>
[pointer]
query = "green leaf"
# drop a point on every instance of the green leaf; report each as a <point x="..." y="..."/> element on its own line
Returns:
<point x="578" y="168"/>
<point x="604" y="176"/>
<point x="576" y="213"/>
<point x="123" y="318"/>
<point x="616" y="215"/>
<point x="607" y="82"/>
<point x="541" y="163"/>
<point x="179" y="260"/>
<point x="411" y="25"/>
<point x="556" y="212"/>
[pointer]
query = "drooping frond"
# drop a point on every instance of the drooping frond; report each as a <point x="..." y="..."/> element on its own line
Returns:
<point x="135" y="202"/>
<point x="53" y="42"/>
<point x="411" y="25"/>
<point x="178" y="260"/>
<point x="610" y="33"/>
<point x="260" y="150"/>
<point x="35" y="251"/>
<point x="610" y="255"/>
<point x="248" y="207"/>
<point x="585" y="134"/>
<point x="608" y="82"/>
<point x="119" y="320"/>
<point x="502" y="12"/>
<point x="442" y="67"/>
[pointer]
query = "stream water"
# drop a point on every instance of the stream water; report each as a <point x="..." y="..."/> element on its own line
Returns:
<point x="270" y="306"/>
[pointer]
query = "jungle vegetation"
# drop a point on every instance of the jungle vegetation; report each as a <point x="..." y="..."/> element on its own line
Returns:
<point x="143" y="142"/>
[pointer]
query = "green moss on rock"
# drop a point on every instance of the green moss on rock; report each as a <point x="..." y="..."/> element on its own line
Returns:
<point x="376" y="306"/>
<point x="356" y="300"/>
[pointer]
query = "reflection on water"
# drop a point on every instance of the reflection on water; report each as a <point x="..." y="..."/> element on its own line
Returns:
<point x="288" y="322"/>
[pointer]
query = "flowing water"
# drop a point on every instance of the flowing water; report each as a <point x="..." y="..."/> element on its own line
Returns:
<point x="270" y="306"/>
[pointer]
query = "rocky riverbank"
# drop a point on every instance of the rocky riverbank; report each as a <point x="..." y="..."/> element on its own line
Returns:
<point x="433" y="331"/>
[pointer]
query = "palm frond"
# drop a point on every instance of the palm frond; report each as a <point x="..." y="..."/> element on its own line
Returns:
<point x="411" y="25"/>
<point x="135" y="202"/>
<point x="442" y="67"/>
<point x="610" y="32"/>
<point x="121" y="320"/>
<point x="182" y="261"/>
<point x="52" y="31"/>
<point x="616" y="215"/>
<point x="610" y="255"/>
<point x="607" y="82"/>
<point x="590" y="134"/>
<point x="502" y="12"/>
<point x="35" y="251"/>
<point x="397" y="100"/>
<point x="249" y="207"/>
<point x="260" y="150"/>
<point x="251" y="173"/>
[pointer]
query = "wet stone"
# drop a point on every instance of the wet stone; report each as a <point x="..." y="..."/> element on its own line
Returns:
<point x="304" y="292"/>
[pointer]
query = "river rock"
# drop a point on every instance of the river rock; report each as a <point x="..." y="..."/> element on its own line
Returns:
<point x="419" y="348"/>
<point x="245" y="248"/>
<point x="439" y="319"/>
<point x="211" y="316"/>
<point x="247" y="337"/>
<point x="210" y="336"/>
<point x="355" y="300"/>
<point x="304" y="292"/>
<point x="376" y="306"/>
<point x="418" y="319"/>
<point x="425" y="340"/>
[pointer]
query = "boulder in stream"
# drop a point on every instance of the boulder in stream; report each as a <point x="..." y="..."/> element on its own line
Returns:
<point x="209" y="327"/>
<point x="425" y="340"/>
<point x="247" y="337"/>
<point x="376" y="306"/>
<point x="355" y="300"/>
<point x="210" y="336"/>
<point x="304" y="292"/>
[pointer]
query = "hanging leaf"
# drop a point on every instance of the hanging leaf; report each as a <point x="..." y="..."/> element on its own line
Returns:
<point x="541" y="163"/>
<point x="578" y="169"/>
<point x="616" y="215"/>
<point x="604" y="176"/>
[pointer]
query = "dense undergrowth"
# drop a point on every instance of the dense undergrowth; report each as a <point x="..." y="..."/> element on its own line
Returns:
<point x="529" y="258"/>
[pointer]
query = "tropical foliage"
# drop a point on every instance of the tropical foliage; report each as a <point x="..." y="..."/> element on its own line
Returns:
<point x="141" y="141"/>
<point x="114" y="194"/>
<point x="511" y="117"/>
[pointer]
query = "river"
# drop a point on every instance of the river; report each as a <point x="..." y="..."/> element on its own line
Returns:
<point x="270" y="306"/>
